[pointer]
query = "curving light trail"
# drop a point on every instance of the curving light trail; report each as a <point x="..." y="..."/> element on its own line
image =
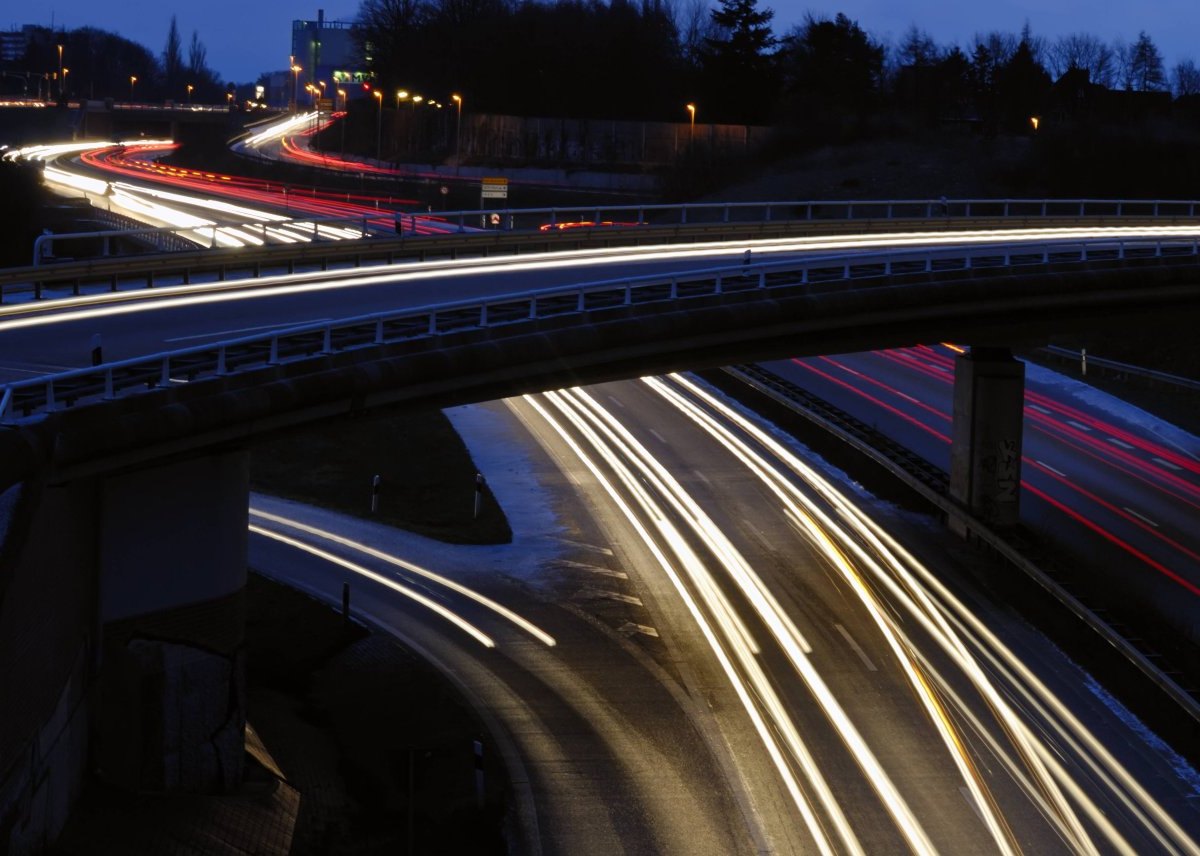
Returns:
<point x="367" y="550"/>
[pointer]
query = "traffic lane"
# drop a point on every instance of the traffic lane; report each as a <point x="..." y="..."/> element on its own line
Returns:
<point x="769" y="810"/>
<point x="614" y="764"/>
<point x="852" y="659"/>
<point x="145" y="322"/>
<point x="1107" y="501"/>
<point x="1019" y="807"/>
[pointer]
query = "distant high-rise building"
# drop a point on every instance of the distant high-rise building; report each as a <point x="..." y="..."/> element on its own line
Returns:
<point x="326" y="52"/>
<point x="13" y="44"/>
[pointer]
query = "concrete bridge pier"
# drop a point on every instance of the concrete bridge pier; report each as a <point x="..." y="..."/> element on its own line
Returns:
<point x="171" y="599"/>
<point x="985" y="452"/>
<point x="121" y="637"/>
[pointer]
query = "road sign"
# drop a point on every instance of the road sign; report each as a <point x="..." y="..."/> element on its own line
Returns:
<point x="493" y="188"/>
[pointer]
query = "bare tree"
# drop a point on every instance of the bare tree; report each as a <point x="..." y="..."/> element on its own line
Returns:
<point x="917" y="48"/>
<point x="1083" y="51"/>
<point x="172" y="59"/>
<point x="197" y="57"/>
<point x="694" y="23"/>
<point x="1186" y="78"/>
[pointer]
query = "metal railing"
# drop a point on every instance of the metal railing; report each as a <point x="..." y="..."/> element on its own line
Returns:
<point x="29" y="399"/>
<point x="629" y="216"/>
<point x="457" y="233"/>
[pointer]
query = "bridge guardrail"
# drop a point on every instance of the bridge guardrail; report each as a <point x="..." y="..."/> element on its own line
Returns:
<point x="30" y="399"/>
<point x="147" y="270"/>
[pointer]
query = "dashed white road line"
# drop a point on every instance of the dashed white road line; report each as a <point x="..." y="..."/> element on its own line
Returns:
<point x="1140" y="517"/>
<point x="659" y="437"/>
<point x="1120" y="443"/>
<point x="1168" y="464"/>
<point x="608" y="595"/>
<point x="593" y="547"/>
<point x="629" y="628"/>
<point x="1079" y="425"/>
<point x="616" y="401"/>
<point x="1046" y="466"/>
<point x="1044" y="411"/>
<point x="856" y="648"/>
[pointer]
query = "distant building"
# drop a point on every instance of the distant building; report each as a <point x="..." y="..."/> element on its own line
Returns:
<point x="327" y="53"/>
<point x="13" y="44"/>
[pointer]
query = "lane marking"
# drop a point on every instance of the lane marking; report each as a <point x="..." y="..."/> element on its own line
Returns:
<point x="1044" y="411"/>
<point x="609" y="595"/>
<point x="594" y="548"/>
<point x="629" y="628"/>
<point x="969" y="797"/>
<point x="245" y="330"/>
<point x="659" y="437"/>
<point x="1079" y="425"/>
<point x="702" y="477"/>
<point x="1059" y="473"/>
<point x="1120" y="443"/>
<point x="594" y="569"/>
<point x="616" y="401"/>
<point x="1167" y="464"/>
<point x="1140" y="517"/>
<point x="856" y="648"/>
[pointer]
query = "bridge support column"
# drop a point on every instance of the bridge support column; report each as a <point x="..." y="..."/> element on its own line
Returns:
<point x="985" y="454"/>
<point x="172" y="580"/>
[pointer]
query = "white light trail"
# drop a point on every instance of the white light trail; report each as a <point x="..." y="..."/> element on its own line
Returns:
<point x="745" y="656"/>
<point x="768" y="610"/>
<point x="485" y="601"/>
<point x="913" y="586"/>
<point x="461" y="623"/>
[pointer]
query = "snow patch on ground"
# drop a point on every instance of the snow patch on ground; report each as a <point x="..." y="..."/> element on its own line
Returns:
<point x="1185" y="771"/>
<point x="1118" y="411"/>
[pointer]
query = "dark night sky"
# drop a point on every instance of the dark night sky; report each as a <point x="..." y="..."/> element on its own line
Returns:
<point x="247" y="38"/>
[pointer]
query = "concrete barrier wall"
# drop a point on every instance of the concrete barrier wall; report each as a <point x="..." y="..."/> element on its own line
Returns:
<point x="122" y="623"/>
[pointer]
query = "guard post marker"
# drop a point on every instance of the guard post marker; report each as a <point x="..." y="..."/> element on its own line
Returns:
<point x="479" y="773"/>
<point x="375" y="494"/>
<point x="480" y="481"/>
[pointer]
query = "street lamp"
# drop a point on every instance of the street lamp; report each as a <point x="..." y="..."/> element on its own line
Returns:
<point x="60" y="71"/>
<point x="401" y="94"/>
<point x="132" y="81"/>
<point x="691" y="108"/>
<point x="379" y="127"/>
<point x="342" y="94"/>
<point x="189" y="90"/>
<point x="457" y="99"/>
<point x="296" y="87"/>
<point x="67" y="71"/>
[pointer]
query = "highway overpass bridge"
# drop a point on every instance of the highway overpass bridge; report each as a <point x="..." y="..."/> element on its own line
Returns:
<point x="125" y="485"/>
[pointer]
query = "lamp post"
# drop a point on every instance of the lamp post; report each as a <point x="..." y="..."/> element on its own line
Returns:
<point x="189" y="91"/>
<point x="67" y="71"/>
<point x="296" y="87"/>
<point x="691" y="108"/>
<point x="342" y="94"/>
<point x="457" y="99"/>
<point x="132" y="81"/>
<point x="379" y="127"/>
<point x="60" y="71"/>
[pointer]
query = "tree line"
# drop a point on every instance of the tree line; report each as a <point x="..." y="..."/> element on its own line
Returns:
<point x="101" y="65"/>
<point x="629" y="60"/>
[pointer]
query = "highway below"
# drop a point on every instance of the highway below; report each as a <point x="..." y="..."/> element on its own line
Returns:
<point x="828" y="655"/>
<point x="1109" y="485"/>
